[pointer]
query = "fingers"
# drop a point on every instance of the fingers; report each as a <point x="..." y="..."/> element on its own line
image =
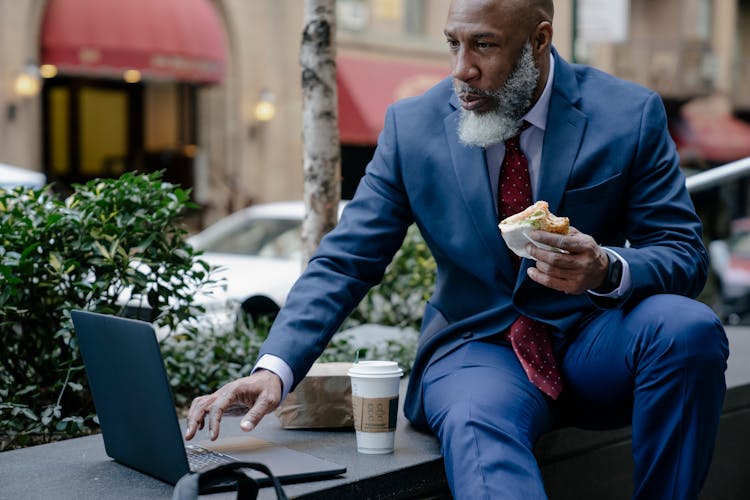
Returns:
<point x="572" y="242"/>
<point x="223" y="400"/>
<point x="196" y="415"/>
<point x="212" y="406"/>
<point x="575" y="244"/>
<point x="574" y="272"/>
<point x="552" y="262"/>
<point x="263" y="405"/>
<point x="266" y="402"/>
<point x="260" y="392"/>
<point x="560" y="283"/>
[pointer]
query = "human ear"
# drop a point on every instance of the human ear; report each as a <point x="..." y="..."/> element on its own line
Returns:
<point x="542" y="37"/>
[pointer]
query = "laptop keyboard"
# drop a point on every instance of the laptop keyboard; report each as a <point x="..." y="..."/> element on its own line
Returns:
<point x="200" y="458"/>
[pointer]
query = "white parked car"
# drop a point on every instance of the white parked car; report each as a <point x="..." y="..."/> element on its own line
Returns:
<point x="258" y="252"/>
<point x="12" y="176"/>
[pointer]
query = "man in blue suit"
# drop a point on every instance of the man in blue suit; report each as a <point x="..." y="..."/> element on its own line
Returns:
<point x="630" y="346"/>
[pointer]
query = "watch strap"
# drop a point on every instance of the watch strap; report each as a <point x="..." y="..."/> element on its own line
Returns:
<point x="614" y="275"/>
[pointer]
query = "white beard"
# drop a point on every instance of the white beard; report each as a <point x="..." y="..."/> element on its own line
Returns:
<point x="485" y="129"/>
<point x="511" y="103"/>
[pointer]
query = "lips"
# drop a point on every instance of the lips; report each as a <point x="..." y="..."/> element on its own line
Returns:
<point x="472" y="99"/>
<point x="472" y="102"/>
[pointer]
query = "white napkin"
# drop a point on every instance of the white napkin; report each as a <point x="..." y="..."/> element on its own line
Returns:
<point x="516" y="236"/>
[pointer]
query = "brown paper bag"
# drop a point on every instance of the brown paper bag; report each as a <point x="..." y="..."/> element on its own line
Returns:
<point x="322" y="400"/>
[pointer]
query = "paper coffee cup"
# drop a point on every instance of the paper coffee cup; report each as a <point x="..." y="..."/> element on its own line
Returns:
<point x="375" y="404"/>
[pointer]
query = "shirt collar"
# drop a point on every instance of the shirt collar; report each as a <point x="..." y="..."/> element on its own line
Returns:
<point x="537" y="115"/>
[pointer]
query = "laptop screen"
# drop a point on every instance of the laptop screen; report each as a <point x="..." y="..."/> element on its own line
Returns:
<point x="136" y="411"/>
<point x="131" y="394"/>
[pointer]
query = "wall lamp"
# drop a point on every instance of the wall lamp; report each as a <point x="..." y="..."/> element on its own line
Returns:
<point x="48" y="71"/>
<point x="131" y="75"/>
<point x="263" y="112"/>
<point x="27" y="84"/>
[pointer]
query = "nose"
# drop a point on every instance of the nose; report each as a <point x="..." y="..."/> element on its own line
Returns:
<point x="464" y="66"/>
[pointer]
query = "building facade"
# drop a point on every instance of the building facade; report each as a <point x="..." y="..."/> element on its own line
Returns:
<point x="231" y="130"/>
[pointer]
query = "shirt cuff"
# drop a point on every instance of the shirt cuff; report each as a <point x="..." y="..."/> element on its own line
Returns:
<point x="278" y="366"/>
<point x="625" y="279"/>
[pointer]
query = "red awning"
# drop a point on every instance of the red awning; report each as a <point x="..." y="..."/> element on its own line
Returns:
<point x="709" y="132"/>
<point x="163" y="39"/>
<point x="719" y="140"/>
<point x="367" y="84"/>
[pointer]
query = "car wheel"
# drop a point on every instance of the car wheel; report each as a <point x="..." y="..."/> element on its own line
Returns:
<point x="734" y="319"/>
<point x="259" y="306"/>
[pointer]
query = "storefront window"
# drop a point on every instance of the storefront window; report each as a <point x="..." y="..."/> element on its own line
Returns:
<point x="102" y="128"/>
<point x="382" y="17"/>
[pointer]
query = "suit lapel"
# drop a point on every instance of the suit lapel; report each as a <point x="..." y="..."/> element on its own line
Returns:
<point x="562" y="137"/>
<point x="562" y="140"/>
<point x="470" y="167"/>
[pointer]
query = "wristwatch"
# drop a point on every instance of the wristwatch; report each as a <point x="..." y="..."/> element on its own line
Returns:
<point x="614" y="276"/>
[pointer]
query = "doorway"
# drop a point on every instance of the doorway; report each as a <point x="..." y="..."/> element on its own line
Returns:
<point x="94" y="128"/>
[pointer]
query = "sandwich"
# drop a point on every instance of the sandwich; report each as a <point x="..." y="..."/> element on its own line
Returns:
<point x="515" y="228"/>
<point x="539" y="217"/>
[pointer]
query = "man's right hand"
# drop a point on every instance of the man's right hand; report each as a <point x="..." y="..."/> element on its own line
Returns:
<point x="255" y="396"/>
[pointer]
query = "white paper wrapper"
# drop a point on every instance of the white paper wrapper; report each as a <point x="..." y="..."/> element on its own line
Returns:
<point x="516" y="237"/>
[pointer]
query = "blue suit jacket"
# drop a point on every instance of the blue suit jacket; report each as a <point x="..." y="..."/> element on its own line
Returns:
<point x="608" y="164"/>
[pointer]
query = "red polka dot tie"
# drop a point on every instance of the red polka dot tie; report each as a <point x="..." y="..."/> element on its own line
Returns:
<point x="529" y="338"/>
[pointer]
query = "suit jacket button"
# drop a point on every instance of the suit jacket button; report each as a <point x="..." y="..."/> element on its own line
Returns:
<point x="467" y="335"/>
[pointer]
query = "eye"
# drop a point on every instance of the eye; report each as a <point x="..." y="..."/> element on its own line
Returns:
<point x="452" y="44"/>
<point x="483" y="45"/>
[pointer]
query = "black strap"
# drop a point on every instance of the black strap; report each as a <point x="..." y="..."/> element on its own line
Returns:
<point x="193" y="484"/>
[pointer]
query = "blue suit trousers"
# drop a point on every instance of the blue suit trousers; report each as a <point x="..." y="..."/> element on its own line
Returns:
<point x="658" y="366"/>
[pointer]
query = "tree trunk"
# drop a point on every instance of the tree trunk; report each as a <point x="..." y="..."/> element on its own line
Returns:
<point x="320" y="124"/>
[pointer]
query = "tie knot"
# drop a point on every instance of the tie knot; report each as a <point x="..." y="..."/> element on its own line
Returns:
<point x="512" y="143"/>
<point x="515" y="140"/>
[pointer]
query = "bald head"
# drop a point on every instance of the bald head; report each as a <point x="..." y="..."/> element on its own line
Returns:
<point x="521" y="16"/>
<point x="545" y="8"/>
<point x="529" y="12"/>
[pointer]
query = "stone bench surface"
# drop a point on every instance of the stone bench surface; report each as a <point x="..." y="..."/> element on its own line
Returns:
<point x="576" y="464"/>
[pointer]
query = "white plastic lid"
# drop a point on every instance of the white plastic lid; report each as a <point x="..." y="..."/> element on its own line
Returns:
<point x="375" y="369"/>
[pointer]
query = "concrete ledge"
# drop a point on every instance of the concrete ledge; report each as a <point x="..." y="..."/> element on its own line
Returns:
<point x="579" y="465"/>
<point x="575" y="464"/>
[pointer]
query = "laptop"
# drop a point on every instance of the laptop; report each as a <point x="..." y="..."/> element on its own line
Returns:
<point x="137" y="414"/>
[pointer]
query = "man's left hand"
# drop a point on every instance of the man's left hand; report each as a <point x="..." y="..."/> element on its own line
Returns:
<point x="583" y="267"/>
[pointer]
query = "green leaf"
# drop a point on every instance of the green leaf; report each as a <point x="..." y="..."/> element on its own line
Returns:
<point x="55" y="262"/>
<point x="75" y="253"/>
<point x="26" y="390"/>
<point x="26" y="412"/>
<point x="102" y="250"/>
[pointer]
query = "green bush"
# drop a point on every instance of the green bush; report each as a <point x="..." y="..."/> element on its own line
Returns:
<point x="398" y="301"/>
<point x="82" y="252"/>
<point x="398" y="345"/>
<point x="408" y="282"/>
<point x="114" y="235"/>
<point x="199" y="360"/>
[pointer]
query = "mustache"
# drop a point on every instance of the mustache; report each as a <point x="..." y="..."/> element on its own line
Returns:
<point x="464" y="90"/>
